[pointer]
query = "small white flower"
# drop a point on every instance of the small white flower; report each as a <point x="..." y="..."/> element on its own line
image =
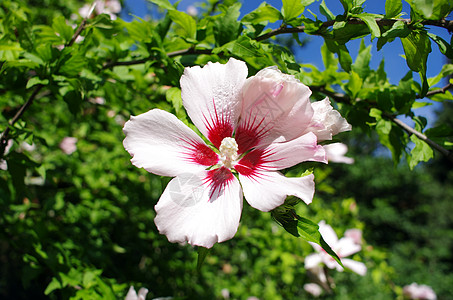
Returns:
<point x="68" y="145"/>
<point x="336" y="153"/>
<point x="354" y="234"/>
<point x="192" y="10"/>
<point x="132" y="294"/>
<point x="3" y="164"/>
<point x="342" y="247"/>
<point x="419" y="292"/>
<point x="110" y="7"/>
<point x="313" y="289"/>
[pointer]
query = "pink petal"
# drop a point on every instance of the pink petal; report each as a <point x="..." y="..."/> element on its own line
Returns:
<point x="355" y="266"/>
<point x="327" y="121"/>
<point x="211" y="96"/>
<point x="267" y="190"/>
<point x="275" y="107"/>
<point x="163" y="145"/>
<point x="201" y="208"/>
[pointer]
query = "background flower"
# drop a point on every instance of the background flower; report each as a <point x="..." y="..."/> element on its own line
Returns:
<point x="343" y="247"/>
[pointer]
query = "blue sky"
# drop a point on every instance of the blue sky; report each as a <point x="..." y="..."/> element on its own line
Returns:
<point x="395" y="65"/>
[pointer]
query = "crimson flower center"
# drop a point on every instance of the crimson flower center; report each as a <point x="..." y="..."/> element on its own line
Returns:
<point x="228" y="152"/>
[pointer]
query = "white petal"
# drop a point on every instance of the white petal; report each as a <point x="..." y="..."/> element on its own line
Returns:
<point x="131" y="294"/>
<point x="347" y="246"/>
<point x="313" y="289"/>
<point x="355" y="266"/>
<point x="312" y="261"/>
<point x="327" y="121"/>
<point x="193" y="210"/>
<point x="328" y="234"/>
<point x="267" y="190"/>
<point x="354" y="234"/>
<point x="212" y="97"/>
<point x="142" y="292"/>
<point x="336" y="153"/>
<point x="276" y="107"/>
<point x="163" y="145"/>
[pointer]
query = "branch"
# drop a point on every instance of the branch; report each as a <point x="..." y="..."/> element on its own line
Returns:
<point x="282" y="30"/>
<point x="381" y="22"/>
<point x="4" y="138"/>
<point x="188" y="51"/>
<point x="438" y="91"/>
<point x="410" y="130"/>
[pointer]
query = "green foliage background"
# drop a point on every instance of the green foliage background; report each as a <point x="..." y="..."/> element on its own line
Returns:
<point x="80" y="226"/>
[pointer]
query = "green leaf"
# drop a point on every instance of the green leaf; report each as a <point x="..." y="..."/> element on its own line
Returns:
<point x="291" y="9"/>
<point x="326" y="12"/>
<point x="444" y="47"/>
<point x="328" y="58"/>
<point x="352" y="6"/>
<point x="370" y="21"/>
<point x="226" y="26"/>
<point x="310" y="232"/>
<point x="398" y="29"/>
<point x="355" y="84"/>
<point x="417" y="104"/>
<point x="63" y="29"/>
<point x="421" y="152"/>
<point x="165" y="4"/>
<point x="36" y="80"/>
<point x="202" y="253"/>
<point x="417" y="47"/>
<point x="173" y="96"/>
<point x="362" y="62"/>
<point x="347" y="5"/>
<point x="393" y="8"/>
<point x="264" y="13"/>
<point x="72" y="65"/>
<point x="431" y="9"/>
<point x="52" y="286"/>
<point x="187" y="23"/>
<point x="390" y="136"/>
<point x="242" y="47"/>
<point x="343" y="34"/>
<point x="342" y="52"/>
<point x="446" y="70"/>
<point x="45" y="53"/>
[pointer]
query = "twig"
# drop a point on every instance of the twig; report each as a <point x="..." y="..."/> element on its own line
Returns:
<point x="438" y="91"/>
<point x="410" y="130"/>
<point x="284" y="29"/>
<point x="150" y="58"/>
<point x="447" y="24"/>
<point x="4" y="138"/>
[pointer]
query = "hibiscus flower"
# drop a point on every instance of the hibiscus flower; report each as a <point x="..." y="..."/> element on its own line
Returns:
<point x="253" y="127"/>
